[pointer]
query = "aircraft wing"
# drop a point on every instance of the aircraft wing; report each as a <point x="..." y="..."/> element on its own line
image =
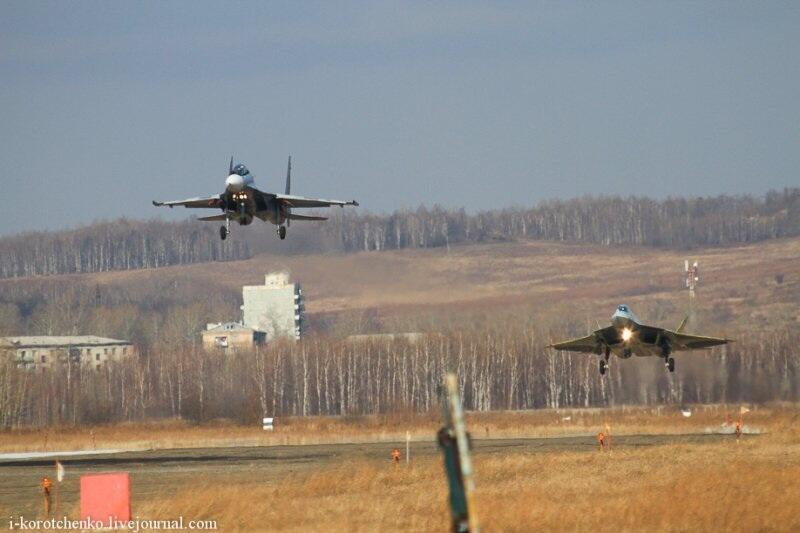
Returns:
<point x="212" y="201"/>
<point x="677" y="339"/>
<point x="587" y="344"/>
<point x="590" y="343"/>
<point x="684" y="341"/>
<point x="301" y="201"/>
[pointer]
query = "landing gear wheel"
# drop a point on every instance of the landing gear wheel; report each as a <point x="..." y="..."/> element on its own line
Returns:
<point x="282" y="232"/>
<point x="671" y="364"/>
<point x="603" y="366"/>
<point x="223" y="232"/>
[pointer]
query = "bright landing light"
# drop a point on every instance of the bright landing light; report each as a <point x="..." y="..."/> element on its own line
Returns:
<point x="626" y="334"/>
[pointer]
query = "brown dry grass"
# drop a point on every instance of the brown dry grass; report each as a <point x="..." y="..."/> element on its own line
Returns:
<point x="737" y="287"/>
<point x="751" y="486"/>
<point x="710" y="486"/>
<point x="392" y="428"/>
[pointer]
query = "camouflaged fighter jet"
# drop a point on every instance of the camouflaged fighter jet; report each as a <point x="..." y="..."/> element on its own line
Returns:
<point x="242" y="202"/>
<point x="627" y="336"/>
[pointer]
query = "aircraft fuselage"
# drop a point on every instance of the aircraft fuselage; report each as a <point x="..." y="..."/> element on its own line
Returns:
<point x="243" y="203"/>
<point x="243" y="206"/>
<point x="631" y="338"/>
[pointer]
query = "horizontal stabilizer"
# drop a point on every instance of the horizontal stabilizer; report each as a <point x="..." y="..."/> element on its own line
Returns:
<point x="301" y="201"/>
<point x="305" y="217"/>
<point x="212" y="201"/>
<point x="212" y="218"/>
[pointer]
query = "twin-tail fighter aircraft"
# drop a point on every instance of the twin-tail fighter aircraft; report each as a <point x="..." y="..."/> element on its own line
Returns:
<point x="627" y="336"/>
<point x="242" y="202"/>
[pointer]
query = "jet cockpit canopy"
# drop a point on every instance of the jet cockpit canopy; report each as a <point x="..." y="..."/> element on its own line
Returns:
<point x="241" y="170"/>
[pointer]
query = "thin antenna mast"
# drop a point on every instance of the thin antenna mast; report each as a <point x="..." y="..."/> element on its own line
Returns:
<point x="692" y="274"/>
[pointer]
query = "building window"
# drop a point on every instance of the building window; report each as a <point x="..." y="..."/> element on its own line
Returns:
<point x="44" y="359"/>
<point x="97" y="357"/>
<point x="113" y="351"/>
<point x="98" y="367"/>
<point x="125" y="350"/>
<point x="22" y="353"/>
<point x="221" y="342"/>
<point x="88" y="351"/>
<point x="105" y="351"/>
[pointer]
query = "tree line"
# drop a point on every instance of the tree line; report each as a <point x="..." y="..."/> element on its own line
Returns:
<point x="674" y="222"/>
<point x="637" y="221"/>
<point x="498" y="368"/>
<point x="118" y="245"/>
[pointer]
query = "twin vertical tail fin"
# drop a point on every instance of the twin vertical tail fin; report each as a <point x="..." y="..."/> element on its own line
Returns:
<point x="289" y="189"/>
<point x="289" y="176"/>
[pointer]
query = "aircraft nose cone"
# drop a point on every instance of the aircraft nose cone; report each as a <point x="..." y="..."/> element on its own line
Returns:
<point x="234" y="183"/>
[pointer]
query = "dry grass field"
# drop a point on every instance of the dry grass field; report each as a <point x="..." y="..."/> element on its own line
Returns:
<point x="540" y="280"/>
<point x="514" y="272"/>
<point x="750" y="486"/>
<point x="171" y="434"/>
<point x="670" y="483"/>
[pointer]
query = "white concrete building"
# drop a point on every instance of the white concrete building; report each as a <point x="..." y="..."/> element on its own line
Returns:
<point x="44" y="351"/>
<point x="276" y="308"/>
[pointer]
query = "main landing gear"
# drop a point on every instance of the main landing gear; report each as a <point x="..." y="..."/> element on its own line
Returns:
<point x="604" y="362"/>
<point x="669" y="362"/>
<point x="282" y="232"/>
<point x="225" y="230"/>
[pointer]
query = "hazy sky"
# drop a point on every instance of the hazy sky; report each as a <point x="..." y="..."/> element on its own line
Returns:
<point x="106" y="106"/>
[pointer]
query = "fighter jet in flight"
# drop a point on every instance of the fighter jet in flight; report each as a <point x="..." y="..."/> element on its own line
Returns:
<point x="242" y="202"/>
<point x="627" y="336"/>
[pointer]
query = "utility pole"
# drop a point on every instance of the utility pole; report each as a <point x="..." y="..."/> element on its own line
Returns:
<point x="454" y="442"/>
<point x="692" y="276"/>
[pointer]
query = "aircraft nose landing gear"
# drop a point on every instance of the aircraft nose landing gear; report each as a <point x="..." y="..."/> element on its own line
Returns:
<point x="282" y="232"/>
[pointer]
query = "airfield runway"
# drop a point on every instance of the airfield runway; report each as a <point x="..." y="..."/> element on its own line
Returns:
<point x="154" y="471"/>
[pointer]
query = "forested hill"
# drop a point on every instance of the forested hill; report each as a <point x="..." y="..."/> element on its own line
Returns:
<point x="675" y="222"/>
